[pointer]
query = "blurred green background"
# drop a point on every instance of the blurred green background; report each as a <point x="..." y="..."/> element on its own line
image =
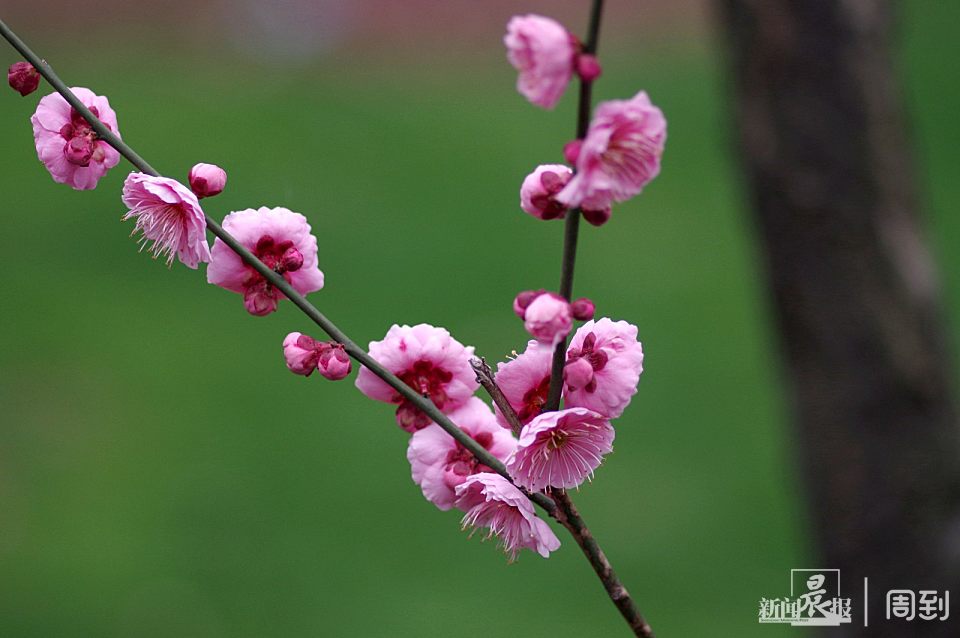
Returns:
<point x="163" y="474"/>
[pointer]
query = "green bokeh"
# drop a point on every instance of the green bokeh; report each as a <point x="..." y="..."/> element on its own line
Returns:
<point x="162" y="474"/>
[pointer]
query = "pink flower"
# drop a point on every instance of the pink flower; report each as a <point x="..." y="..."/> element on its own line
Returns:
<point x="207" y="180"/>
<point x="583" y="309"/>
<point x="428" y="360"/>
<point x="548" y="318"/>
<point x="620" y="154"/>
<point x="169" y="215"/>
<point x="68" y="146"/>
<point x="301" y="353"/>
<point x="439" y="464"/>
<point x="538" y="190"/>
<point x="615" y="359"/>
<point x="523" y="299"/>
<point x="282" y="240"/>
<point x="525" y="381"/>
<point x="543" y="52"/>
<point x="491" y="501"/>
<point x="305" y="354"/>
<point x="560" y="449"/>
<point x="23" y="78"/>
<point x="334" y="363"/>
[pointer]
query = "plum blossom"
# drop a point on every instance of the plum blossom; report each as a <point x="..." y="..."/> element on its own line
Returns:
<point x="548" y="318"/>
<point x="334" y="363"/>
<point x="560" y="449"/>
<point x="169" y="215"/>
<point x="603" y="367"/>
<point x="525" y="381"/>
<point x="23" y="78"/>
<point x="538" y="190"/>
<point x="544" y="52"/>
<point x="207" y="180"/>
<point x="282" y="240"/>
<point x="67" y="144"/>
<point x="619" y="155"/>
<point x="301" y="353"/>
<point x="439" y="463"/>
<point x="491" y="501"/>
<point x="583" y="309"/>
<point x="304" y="354"/>
<point x="428" y="360"/>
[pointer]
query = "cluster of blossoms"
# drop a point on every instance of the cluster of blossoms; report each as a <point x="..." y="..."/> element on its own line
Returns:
<point x="551" y="449"/>
<point x="623" y="145"/>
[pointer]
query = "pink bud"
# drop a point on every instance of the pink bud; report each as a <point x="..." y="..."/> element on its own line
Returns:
<point x="539" y="188"/>
<point x="596" y="217"/>
<point x="301" y="354"/>
<point x="588" y="68"/>
<point x="207" y="180"/>
<point x="23" y="78"/>
<point x="548" y="318"/>
<point x="571" y="151"/>
<point x="583" y="309"/>
<point x="523" y="299"/>
<point x="259" y="301"/>
<point x="292" y="260"/>
<point x="334" y="363"/>
<point x="79" y="150"/>
<point x="577" y="373"/>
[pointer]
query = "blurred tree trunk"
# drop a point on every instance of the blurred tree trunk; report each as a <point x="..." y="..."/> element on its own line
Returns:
<point x="823" y="139"/>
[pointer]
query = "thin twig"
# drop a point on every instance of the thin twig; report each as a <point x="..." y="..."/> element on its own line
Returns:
<point x="568" y="516"/>
<point x="486" y="379"/>
<point x="572" y="220"/>
<point x="276" y="280"/>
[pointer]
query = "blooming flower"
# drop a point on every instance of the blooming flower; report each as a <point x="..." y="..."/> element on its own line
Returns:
<point x="543" y="52"/>
<point x="560" y="449"/>
<point x="548" y="318"/>
<point x="525" y="381"/>
<point x="439" y="463"/>
<point x="538" y="190"/>
<point x="615" y="359"/>
<point x="23" y="78"/>
<point x="620" y="154"/>
<point x="67" y="144"/>
<point x="207" y="180"/>
<point x="490" y="501"/>
<point x="282" y="240"/>
<point x="428" y="360"/>
<point x="169" y="215"/>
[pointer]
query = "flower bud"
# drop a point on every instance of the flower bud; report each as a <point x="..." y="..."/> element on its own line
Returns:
<point x="538" y="190"/>
<point x="571" y="151"/>
<point x="523" y="299"/>
<point x="292" y="260"/>
<point x="259" y="301"/>
<point x="23" y="78"/>
<point x="583" y="309"/>
<point x="207" y="180"/>
<point x="588" y="68"/>
<point x="334" y="363"/>
<point x="79" y="150"/>
<point x="548" y="318"/>
<point x="597" y="217"/>
<point x="301" y="353"/>
<point x="577" y="373"/>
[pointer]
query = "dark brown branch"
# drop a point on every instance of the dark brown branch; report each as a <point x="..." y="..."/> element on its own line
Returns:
<point x="568" y="516"/>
